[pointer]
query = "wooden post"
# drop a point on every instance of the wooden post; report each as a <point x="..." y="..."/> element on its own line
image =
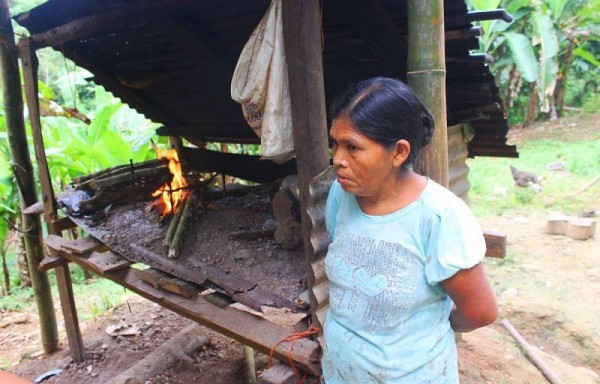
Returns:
<point x="23" y="171"/>
<point x="63" y="277"/>
<point x="427" y="76"/>
<point x="302" y="34"/>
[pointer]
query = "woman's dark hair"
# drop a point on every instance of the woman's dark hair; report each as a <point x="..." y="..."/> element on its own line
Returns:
<point x="386" y="110"/>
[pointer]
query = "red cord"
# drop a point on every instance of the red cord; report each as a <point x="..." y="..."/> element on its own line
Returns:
<point x="293" y="338"/>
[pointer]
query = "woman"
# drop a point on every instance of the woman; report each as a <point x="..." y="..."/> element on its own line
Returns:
<point x="405" y="259"/>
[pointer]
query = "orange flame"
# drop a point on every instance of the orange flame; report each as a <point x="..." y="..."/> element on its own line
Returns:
<point x="173" y="193"/>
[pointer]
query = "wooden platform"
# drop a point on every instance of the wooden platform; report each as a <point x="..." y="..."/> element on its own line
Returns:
<point x="240" y="325"/>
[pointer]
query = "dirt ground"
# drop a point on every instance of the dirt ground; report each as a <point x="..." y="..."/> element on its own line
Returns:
<point x="547" y="287"/>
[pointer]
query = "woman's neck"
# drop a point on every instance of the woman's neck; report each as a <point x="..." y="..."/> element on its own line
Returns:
<point x="404" y="191"/>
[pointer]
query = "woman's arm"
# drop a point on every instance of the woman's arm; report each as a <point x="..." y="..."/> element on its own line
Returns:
<point x="475" y="302"/>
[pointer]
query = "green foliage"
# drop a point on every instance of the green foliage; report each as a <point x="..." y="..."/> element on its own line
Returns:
<point x="592" y="104"/>
<point x="523" y="55"/>
<point x="18" y="300"/>
<point x="493" y="193"/>
<point x="536" y="42"/>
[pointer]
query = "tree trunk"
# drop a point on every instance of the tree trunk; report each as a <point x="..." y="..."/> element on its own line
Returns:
<point x="561" y="82"/>
<point x="509" y="87"/>
<point x="532" y="106"/>
<point x="427" y="76"/>
<point x="23" y="170"/>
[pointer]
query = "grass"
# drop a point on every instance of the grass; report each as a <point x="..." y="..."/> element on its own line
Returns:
<point x="492" y="191"/>
<point x="93" y="297"/>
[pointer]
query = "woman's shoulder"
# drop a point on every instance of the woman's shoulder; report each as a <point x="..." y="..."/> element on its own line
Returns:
<point x="441" y="200"/>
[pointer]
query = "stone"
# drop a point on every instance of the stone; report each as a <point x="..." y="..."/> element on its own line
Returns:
<point x="284" y="204"/>
<point x="288" y="234"/>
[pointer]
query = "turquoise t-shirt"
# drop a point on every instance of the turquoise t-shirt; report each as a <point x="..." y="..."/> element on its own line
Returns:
<point x="388" y="320"/>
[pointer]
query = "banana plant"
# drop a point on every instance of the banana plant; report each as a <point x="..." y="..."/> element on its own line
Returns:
<point x="532" y="42"/>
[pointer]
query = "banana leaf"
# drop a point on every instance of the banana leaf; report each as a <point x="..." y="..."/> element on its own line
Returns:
<point x="522" y="54"/>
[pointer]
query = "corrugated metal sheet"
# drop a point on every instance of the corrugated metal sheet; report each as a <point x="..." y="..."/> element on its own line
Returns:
<point x="173" y="60"/>
<point x="458" y="172"/>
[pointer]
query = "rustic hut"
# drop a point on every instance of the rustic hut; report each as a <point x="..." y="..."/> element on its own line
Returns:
<point x="173" y="61"/>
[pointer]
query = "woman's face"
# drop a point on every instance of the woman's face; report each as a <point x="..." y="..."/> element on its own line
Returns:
<point x="364" y="167"/>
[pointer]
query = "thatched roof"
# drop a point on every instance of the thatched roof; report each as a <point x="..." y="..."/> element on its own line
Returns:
<point x="173" y="60"/>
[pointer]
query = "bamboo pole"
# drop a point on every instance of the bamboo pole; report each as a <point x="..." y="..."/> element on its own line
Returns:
<point x="532" y="355"/>
<point x="427" y="76"/>
<point x="63" y="276"/>
<point x="183" y="225"/>
<point x="23" y="171"/>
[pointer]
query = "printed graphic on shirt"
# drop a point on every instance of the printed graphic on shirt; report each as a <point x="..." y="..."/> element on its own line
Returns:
<point x="371" y="280"/>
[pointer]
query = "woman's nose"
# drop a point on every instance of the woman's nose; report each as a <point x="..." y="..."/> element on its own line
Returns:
<point x="338" y="159"/>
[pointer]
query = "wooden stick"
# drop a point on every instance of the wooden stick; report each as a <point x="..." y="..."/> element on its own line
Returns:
<point x="588" y="185"/>
<point x="184" y="343"/>
<point x="174" y="223"/>
<point x="182" y="226"/>
<point x="126" y="178"/>
<point x="250" y="364"/>
<point x="125" y="168"/>
<point x="253" y="235"/>
<point x="531" y="354"/>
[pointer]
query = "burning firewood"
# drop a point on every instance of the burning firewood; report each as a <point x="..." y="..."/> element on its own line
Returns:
<point x="175" y="223"/>
<point x="182" y="226"/>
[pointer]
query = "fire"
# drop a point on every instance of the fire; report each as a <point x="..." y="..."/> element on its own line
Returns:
<point x="173" y="193"/>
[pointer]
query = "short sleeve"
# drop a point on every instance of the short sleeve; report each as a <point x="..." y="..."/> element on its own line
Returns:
<point x="332" y="207"/>
<point x="455" y="243"/>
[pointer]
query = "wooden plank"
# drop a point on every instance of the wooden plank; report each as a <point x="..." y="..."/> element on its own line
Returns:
<point x="242" y="326"/>
<point x="116" y="17"/>
<point x="307" y="93"/>
<point x="63" y="276"/>
<point x="51" y="262"/>
<point x="159" y="279"/>
<point x="577" y="228"/>
<point x="85" y="245"/>
<point x="495" y="243"/>
<point x="105" y="262"/>
<point x="63" y="224"/>
<point x="278" y="374"/>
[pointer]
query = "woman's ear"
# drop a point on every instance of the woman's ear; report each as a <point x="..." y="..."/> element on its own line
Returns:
<point x="401" y="152"/>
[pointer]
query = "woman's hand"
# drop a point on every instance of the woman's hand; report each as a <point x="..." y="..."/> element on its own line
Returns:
<point x="474" y="300"/>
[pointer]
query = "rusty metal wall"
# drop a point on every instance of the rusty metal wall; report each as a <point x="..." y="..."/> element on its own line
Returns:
<point x="458" y="172"/>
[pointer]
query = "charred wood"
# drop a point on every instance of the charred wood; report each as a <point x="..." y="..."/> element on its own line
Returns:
<point x="127" y="177"/>
<point x="253" y="235"/>
<point x="240" y="290"/>
<point x="143" y="187"/>
<point x="246" y="167"/>
<point x="119" y="169"/>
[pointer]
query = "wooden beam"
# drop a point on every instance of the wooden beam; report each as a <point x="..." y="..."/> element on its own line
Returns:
<point x="246" y="167"/>
<point x="495" y="243"/>
<point x="460" y="34"/>
<point x="159" y="279"/>
<point x="51" y="262"/>
<point x="157" y="113"/>
<point x="242" y="326"/>
<point x="302" y="36"/>
<point x="111" y="20"/>
<point x="63" y="276"/>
